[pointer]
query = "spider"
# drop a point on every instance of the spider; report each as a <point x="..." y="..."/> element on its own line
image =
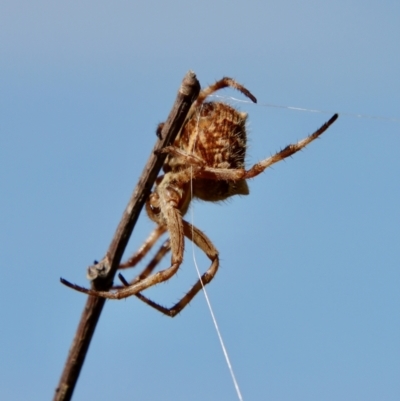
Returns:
<point x="206" y="162"/>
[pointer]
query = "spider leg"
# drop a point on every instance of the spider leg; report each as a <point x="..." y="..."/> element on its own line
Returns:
<point x="162" y="251"/>
<point x="289" y="150"/>
<point x="221" y="84"/>
<point x="144" y="249"/>
<point x="204" y="243"/>
<point x="175" y="227"/>
<point x="240" y="174"/>
<point x="133" y="289"/>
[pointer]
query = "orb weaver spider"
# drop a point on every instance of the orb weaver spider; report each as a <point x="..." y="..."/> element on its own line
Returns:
<point x="206" y="161"/>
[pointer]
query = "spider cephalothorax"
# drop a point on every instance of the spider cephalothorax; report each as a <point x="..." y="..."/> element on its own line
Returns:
<point x="206" y="161"/>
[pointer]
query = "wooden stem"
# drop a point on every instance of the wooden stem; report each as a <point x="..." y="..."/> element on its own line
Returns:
<point x="102" y="274"/>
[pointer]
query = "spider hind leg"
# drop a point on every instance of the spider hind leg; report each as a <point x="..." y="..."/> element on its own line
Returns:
<point x="205" y="244"/>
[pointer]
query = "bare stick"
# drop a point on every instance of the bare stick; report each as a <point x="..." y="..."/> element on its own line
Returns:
<point x="102" y="274"/>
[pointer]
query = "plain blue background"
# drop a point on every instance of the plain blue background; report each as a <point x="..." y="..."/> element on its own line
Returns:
<point x="307" y="296"/>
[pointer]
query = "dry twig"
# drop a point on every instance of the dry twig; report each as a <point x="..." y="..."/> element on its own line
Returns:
<point x="102" y="274"/>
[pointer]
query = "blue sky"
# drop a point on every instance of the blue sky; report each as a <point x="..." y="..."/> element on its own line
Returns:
<point x="307" y="296"/>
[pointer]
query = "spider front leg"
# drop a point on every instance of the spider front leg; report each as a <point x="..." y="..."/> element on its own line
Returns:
<point x="204" y="243"/>
<point x="221" y="84"/>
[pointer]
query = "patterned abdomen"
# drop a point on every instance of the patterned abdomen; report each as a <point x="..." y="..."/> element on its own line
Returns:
<point x="216" y="133"/>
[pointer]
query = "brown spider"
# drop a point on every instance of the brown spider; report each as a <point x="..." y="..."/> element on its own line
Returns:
<point x="206" y="161"/>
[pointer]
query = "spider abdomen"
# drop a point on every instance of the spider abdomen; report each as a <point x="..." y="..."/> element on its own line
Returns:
<point x="216" y="134"/>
